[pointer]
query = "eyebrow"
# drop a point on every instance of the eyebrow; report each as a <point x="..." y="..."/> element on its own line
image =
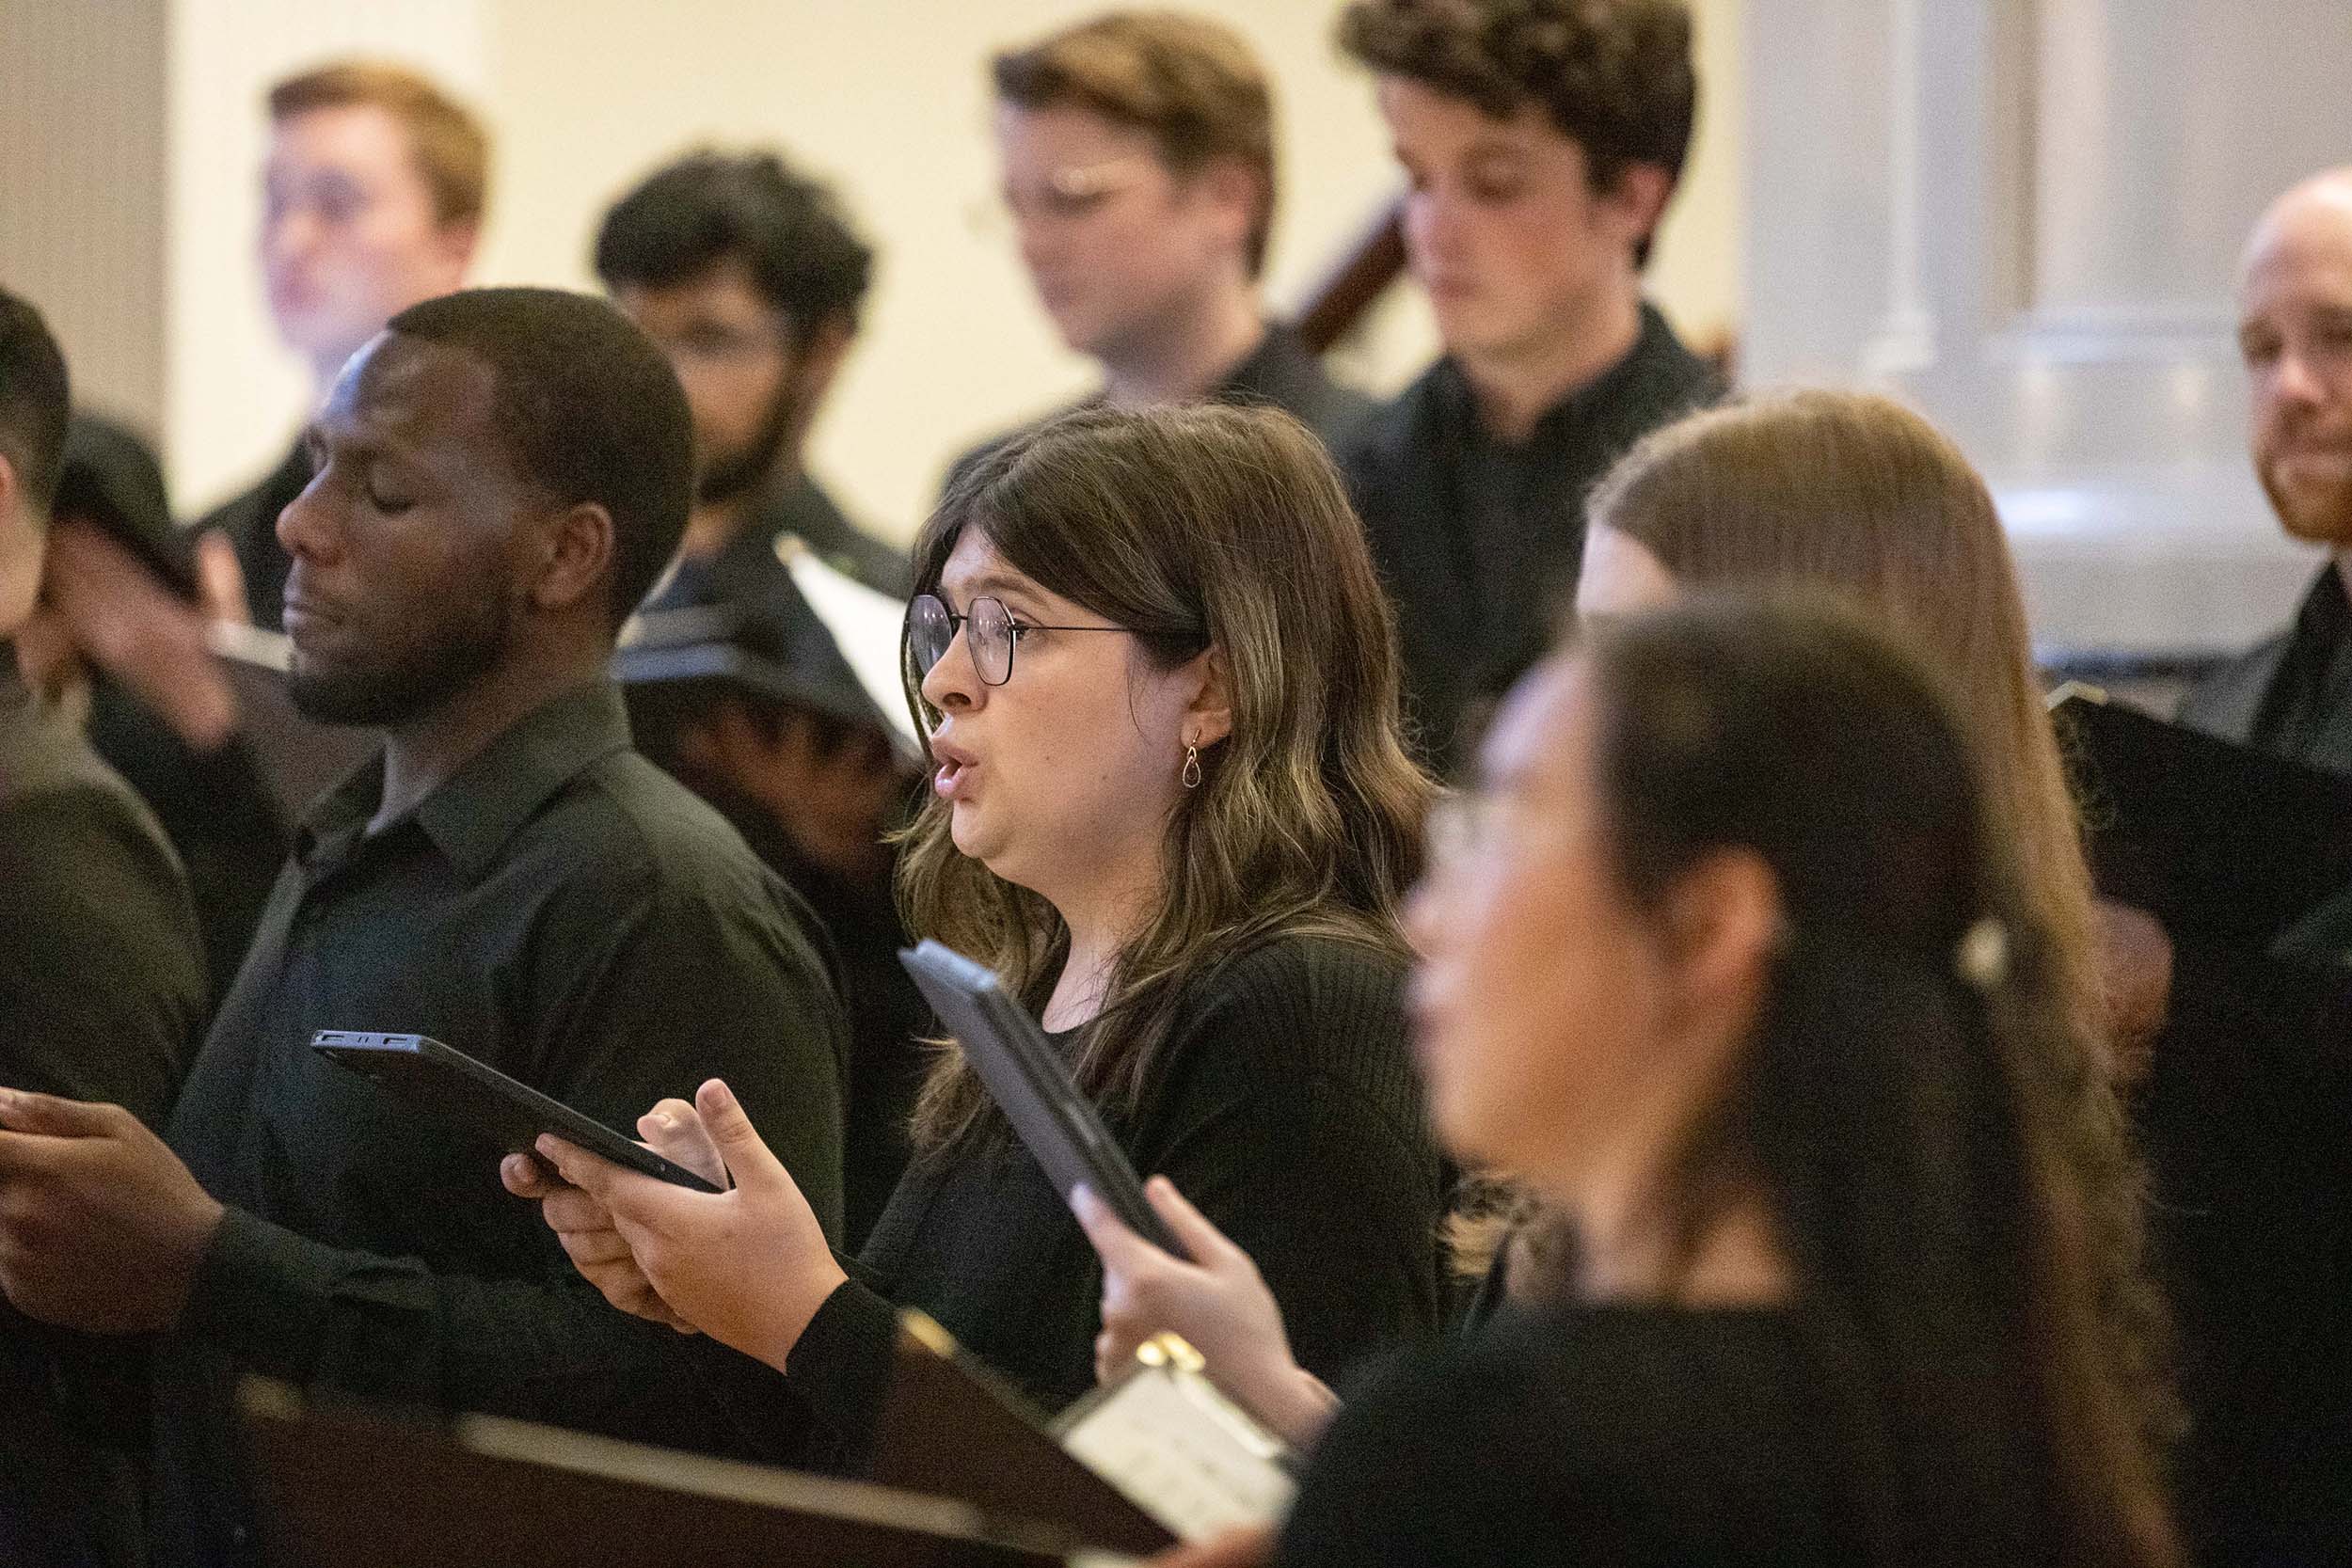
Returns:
<point x="1487" y="150"/>
<point x="997" y="584"/>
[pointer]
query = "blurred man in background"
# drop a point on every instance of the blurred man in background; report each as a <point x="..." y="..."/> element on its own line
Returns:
<point x="1541" y="140"/>
<point x="1138" y="157"/>
<point x="2292" y="696"/>
<point x="373" y="197"/>
<point x="748" y="276"/>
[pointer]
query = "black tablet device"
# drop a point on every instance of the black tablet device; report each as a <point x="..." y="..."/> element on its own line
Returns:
<point x="456" y="1088"/>
<point x="1026" y="1076"/>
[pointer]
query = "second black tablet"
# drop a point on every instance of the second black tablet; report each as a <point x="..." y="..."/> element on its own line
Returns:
<point x="1057" y="1124"/>
<point x="456" y="1088"/>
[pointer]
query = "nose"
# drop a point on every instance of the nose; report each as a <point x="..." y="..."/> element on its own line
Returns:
<point x="954" y="684"/>
<point x="307" y="528"/>
<point x="1432" y="227"/>
<point x="288" y="233"/>
<point x="2293" y="379"/>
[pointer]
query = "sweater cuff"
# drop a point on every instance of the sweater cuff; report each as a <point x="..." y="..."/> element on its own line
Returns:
<point x="841" y="1365"/>
<point x="257" y="1293"/>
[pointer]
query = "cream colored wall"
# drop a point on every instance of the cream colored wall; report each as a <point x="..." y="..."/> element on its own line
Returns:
<point x="887" y="99"/>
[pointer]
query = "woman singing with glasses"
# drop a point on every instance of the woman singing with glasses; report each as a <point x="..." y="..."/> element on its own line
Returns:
<point x="1172" y="807"/>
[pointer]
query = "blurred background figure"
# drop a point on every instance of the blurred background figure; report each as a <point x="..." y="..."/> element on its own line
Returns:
<point x="1137" y="153"/>
<point x="119" y="639"/>
<point x="2291" y="695"/>
<point x="373" y="201"/>
<point x="1540" y="143"/>
<point x="750" y="278"/>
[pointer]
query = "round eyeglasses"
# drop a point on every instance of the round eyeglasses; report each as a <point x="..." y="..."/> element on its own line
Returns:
<point x="989" y="633"/>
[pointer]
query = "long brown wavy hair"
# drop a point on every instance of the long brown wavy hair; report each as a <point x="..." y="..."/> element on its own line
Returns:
<point x="1853" y="495"/>
<point x="1199" y="527"/>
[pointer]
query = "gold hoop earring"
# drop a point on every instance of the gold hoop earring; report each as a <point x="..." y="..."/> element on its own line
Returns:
<point x="1192" y="767"/>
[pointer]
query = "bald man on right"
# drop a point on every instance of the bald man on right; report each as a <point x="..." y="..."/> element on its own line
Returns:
<point x="2292" y="696"/>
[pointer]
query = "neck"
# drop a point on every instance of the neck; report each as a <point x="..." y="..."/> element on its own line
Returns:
<point x="1186" y="355"/>
<point x="326" y="365"/>
<point x="1737" y="1259"/>
<point x="713" y="525"/>
<point x="1101" y="921"/>
<point x="1514" y="388"/>
<point x="426" y="753"/>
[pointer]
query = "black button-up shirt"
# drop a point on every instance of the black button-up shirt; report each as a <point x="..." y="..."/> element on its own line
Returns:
<point x="1478" y="539"/>
<point x="568" y="914"/>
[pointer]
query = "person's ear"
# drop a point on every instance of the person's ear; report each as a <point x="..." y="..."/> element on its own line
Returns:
<point x="817" y="359"/>
<point x="1236" y="192"/>
<point x="1638" y="200"/>
<point x="456" y="240"/>
<point x="576" y="556"/>
<point x="1720" y="923"/>
<point x="1209" y="716"/>
<point x="23" y="541"/>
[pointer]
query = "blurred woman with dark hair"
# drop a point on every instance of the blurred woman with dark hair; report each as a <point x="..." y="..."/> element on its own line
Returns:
<point x="1732" y="960"/>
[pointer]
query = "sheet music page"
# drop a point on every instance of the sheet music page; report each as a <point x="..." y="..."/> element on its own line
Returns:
<point x="866" y="626"/>
<point x="1182" y="1454"/>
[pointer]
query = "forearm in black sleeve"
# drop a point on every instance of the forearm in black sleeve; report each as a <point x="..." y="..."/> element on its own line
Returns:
<point x="679" y="991"/>
<point x="1300" y="1134"/>
<point x="545" y="1350"/>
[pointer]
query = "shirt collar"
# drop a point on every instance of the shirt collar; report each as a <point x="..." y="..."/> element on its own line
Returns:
<point x="472" y="813"/>
<point x="1458" y="404"/>
<point x="1268" y="370"/>
<point x="2326" y="617"/>
<point x="800" y="505"/>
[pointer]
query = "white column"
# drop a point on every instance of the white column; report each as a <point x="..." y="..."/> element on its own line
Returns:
<point x="2025" y="216"/>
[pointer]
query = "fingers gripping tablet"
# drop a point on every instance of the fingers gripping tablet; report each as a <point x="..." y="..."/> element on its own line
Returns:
<point x="456" y="1088"/>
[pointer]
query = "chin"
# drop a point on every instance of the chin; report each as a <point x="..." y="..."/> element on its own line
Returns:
<point x="1079" y="337"/>
<point x="1469" y="330"/>
<point x="2325" y="519"/>
<point x="314" y="336"/>
<point x="972" y="840"/>
<point x="1467" y="1130"/>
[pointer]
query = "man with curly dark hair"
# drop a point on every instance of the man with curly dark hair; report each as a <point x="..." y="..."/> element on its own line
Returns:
<point x="747" y="274"/>
<point x="1541" y="140"/>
